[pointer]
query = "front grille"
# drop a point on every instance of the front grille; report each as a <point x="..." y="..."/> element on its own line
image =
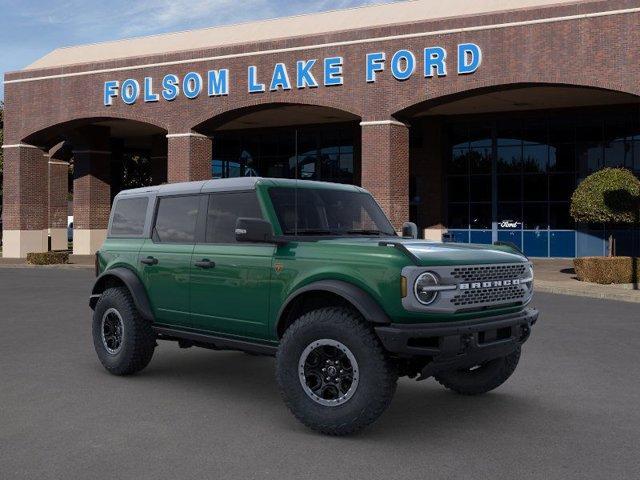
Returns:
<point x="512" y="293"/>
<point x="483" y="273"/>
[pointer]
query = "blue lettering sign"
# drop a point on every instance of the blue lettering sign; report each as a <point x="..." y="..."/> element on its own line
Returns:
<point x="170" y="87"/>
<point x="110" y="92"/>
<point x="375" y="63"/>
<point x="254" y="86"/>
<point x="218" y="81"/>
<point x="280" y="78"/>
<point x="130" y="91"/>
<point x="149" y="96"/>
<point x="192" y="85"/>
<point x="434" y="58"/>
<point x="333" y="71"/>
<point x="304" y="77"/>
<point x="403" y="64"/>
<point x="469" y="58"/>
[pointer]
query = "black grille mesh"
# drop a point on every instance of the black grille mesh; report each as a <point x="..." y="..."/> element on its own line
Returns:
<point x="511" y="293"/>
<point x="483" y="273"/>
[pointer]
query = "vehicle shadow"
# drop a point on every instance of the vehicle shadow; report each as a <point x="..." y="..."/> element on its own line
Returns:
<point x="420" y="411"/>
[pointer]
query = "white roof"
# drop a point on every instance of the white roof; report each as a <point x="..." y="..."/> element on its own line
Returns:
<point x="287" y="27"/>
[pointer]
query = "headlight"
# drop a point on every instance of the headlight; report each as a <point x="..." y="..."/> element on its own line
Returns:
<point x="424" y="288"/>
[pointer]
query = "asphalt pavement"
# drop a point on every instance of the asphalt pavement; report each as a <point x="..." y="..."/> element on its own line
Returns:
<point x="571" y="410"/>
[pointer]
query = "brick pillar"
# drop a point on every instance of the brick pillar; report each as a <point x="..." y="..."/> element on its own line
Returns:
<point x="91" y="189"/>
<point x="58" y="189"/>
<point x="385" y="167"/>
<point x="24" y="200"/>
<point x="189" y="157"/>
<point x="159" y="159"/>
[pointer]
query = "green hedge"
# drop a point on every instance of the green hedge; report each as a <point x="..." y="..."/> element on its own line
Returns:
<point x="610" y="195"/>
<point x="607" y="270"/>
<point x="48" y="258"/>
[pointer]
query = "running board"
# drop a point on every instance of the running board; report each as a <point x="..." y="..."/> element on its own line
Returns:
<point x="215" y="342"/>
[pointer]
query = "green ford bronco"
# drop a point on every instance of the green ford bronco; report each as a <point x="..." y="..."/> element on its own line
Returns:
<point x="314" y="274"/>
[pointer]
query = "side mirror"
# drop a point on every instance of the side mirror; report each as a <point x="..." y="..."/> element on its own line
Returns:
<point x="409" y="230"/>
<point x="254" y="230"/>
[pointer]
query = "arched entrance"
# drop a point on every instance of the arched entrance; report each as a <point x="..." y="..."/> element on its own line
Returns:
<point x="101" y="156"/>
<point x="285" y="140"/>
<point x="501" y="164"/>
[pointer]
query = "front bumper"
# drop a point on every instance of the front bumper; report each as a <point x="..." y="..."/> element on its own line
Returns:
<point x="448" y="346"/>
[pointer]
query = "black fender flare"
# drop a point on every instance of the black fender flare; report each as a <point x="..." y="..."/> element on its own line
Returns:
<point x="370" y="310"/>
<point x="133" y="284"/>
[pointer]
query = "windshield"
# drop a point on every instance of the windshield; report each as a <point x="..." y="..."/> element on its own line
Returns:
<point x="316" y="211"/>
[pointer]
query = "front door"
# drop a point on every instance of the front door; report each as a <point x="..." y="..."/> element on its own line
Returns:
<point x="165" y="259"/>
<point x="230" y="281"/>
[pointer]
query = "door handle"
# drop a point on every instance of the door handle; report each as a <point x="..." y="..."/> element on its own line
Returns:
<point x="205" y="263"/>
<point x="149" y="261"/>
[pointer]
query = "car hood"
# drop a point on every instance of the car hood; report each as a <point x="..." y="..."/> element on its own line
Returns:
<point x="427" y="253"/>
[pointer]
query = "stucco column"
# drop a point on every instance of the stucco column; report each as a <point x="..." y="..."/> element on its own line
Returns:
<point x="24" y="200"/>
<point x="385" y="167"/>
<point x="189" y="157"/>
<point x="159" y="159"/>
<point x="58" y="189"/>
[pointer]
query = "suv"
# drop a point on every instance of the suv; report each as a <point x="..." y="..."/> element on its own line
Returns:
<point x="314" y="274"/>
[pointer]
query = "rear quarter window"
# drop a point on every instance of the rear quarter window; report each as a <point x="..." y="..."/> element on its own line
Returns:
<point x="129" y="215"/>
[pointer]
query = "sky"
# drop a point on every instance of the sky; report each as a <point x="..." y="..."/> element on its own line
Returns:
<point x="30" y="29"/>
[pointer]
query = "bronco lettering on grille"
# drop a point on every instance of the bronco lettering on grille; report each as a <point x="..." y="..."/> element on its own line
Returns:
<point x="494" y="283"/>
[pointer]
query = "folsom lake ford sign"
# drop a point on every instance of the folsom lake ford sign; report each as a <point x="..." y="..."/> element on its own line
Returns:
<point x="309" y="73"/>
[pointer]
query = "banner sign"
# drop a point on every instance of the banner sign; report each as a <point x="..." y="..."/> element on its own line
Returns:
<point x="309" y="73"/>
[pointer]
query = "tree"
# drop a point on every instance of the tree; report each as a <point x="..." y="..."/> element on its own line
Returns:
<point x="608" y="196"/>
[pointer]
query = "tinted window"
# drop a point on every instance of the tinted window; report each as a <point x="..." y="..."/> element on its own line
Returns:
<point x="176" y="219"/>
<point x="310" y="211"/>
<point x="128" y="216"/>
<point x="224" y="209"/>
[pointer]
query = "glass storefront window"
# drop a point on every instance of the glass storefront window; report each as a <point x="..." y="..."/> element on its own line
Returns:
<point x="535" y="160"/>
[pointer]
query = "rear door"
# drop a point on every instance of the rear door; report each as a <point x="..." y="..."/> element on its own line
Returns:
<point x="165" y="259"/>
<point x="230" y="281"/>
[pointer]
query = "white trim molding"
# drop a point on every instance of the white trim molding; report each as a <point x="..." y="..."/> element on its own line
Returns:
<point x="383" y="122"/>
<point x="58" y="162"/>
<point x="477" y="28"/>
<point x="189" y="134"/>
<point x="21" y="145"/>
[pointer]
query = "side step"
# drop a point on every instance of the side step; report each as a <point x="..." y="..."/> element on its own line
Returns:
<point x="216" y="342"/>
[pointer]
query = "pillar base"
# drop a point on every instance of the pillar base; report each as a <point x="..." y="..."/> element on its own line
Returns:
<point x="59" y="239"/>
<point x="17" y="243"/>
<point x="87" y="242"/>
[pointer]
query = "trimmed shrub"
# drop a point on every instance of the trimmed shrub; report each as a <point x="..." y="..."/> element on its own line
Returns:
<point x="607" y="270"/>
<point x="48" y="258"/>
<point x="610" y="195"/>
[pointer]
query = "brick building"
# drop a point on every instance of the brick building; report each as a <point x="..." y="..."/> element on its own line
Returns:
<point x="476" y="118"/>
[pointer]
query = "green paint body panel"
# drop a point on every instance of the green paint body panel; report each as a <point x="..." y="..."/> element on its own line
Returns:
<point x="244" y="293"/>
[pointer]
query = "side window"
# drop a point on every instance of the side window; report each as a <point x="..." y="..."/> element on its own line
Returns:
<point x="128" y="217"/>
<point x="176" y="219"/>
<point x="224" y="209"/>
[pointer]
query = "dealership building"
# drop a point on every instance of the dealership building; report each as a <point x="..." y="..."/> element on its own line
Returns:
<point x="472" y="119"/>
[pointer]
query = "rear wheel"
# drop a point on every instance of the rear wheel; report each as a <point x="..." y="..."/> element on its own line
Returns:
<point x="123" y="340"/>
<point x="333" y="373"/>
<point x="480" y="378"/>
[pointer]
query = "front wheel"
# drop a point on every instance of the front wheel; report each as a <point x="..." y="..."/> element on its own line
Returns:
<point x="332" y="372"/>
<point x="480" y="378"/>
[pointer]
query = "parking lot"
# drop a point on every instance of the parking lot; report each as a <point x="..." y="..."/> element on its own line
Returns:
<point x="570" y="410"/>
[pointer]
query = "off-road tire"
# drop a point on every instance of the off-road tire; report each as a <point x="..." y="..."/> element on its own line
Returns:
<point x="138" y="339"/>
<point x="483" y="379"/>
<point x="377" y="375"/>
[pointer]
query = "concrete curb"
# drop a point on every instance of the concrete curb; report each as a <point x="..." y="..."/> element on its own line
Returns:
<point x="63" y="266"/>
<point x="605" y="292"/>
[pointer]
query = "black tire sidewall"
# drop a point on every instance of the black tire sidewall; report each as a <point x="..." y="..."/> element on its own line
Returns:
<point x="122" y="362"/>
<point x="373" y="391"/>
